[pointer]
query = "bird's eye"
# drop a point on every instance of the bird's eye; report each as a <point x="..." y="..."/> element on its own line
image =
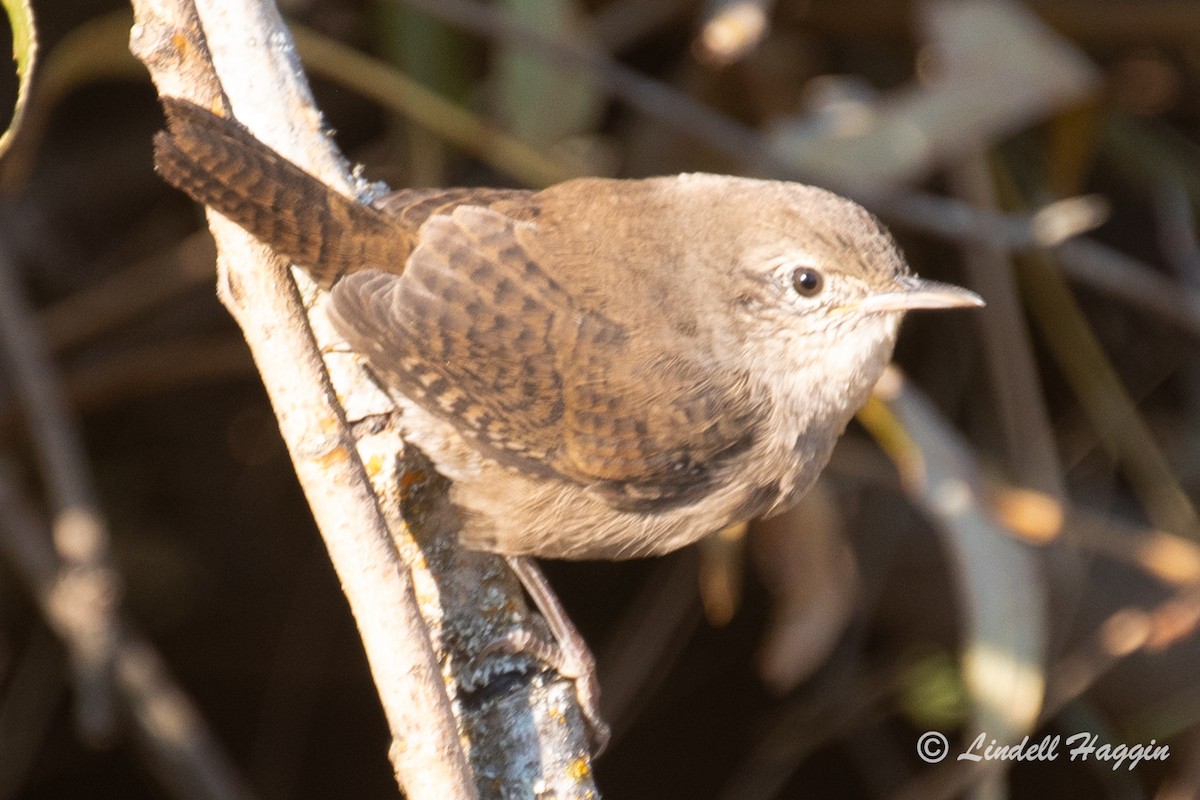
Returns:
<point x="807" y="282"/>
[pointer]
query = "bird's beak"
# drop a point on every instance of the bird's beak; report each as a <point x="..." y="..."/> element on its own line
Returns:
<point x="912" y="292"/>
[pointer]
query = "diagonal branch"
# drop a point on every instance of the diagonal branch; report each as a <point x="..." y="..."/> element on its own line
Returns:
<point x="84" y="594"/>
<point x="426" y="752"/>
<point x="389" y="529"/>
<point x="179" y="747"/>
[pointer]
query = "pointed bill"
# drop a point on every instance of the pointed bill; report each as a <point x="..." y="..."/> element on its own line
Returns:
<point x="912" y="293"/>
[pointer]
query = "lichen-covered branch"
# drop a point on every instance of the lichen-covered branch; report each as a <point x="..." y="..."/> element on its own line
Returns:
<point x="424" y="607"/>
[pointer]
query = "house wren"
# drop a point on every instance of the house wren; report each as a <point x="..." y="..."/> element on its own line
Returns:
<point x="604" y="368"/>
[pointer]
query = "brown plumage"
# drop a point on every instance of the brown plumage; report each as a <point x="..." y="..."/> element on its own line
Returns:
<point x="220" y="164"/>
<point x="605" y="368"/>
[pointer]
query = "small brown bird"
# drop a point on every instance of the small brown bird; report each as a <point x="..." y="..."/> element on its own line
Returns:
<point x="604" y="368"/>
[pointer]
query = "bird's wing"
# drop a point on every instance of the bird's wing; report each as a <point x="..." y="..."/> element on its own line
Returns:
<point x="479" y="334"/>
<point x="412" y="207"/>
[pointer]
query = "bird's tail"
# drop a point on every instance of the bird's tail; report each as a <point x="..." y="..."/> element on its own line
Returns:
<point x="221" y="164"/>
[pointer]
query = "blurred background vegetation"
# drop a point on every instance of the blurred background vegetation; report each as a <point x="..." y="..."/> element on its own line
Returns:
<point x="1006" y="543"/>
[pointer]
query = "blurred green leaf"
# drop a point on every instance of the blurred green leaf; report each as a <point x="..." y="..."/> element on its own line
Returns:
<point x="428" y="50"/>
<point x="932" y="693"/>
<point x="541" y="104"/>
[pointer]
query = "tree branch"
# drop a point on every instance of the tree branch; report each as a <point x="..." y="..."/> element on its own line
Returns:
<point x="390" y="531"/>
<point x="180" y="748"/>
<point x="84" y="594"/>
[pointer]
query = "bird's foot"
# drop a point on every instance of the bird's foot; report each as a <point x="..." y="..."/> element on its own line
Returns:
<point x="568" y="654"/>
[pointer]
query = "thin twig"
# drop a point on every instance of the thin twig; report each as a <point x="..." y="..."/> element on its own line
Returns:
<point x="149" y="368"/>
<point x="649" y="638"/>
<point x="179" y="746"/>
<point x="1130" y="281"/>
<point x="651" y="97"/>
<point x="389" y="87"/>
<point x="129" y="293"/>
<point x="1121" y="428"/>
<point x="842" y="701"/>
<point x="1019" y="400"/>
<point x="32" y="694"/>
<point x="86" y="591"/>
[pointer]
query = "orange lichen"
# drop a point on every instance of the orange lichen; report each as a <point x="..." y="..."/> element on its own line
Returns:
<point x="374" y="465"/>
<point x="334" y="457"/>
<point x="579" y="769"/>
